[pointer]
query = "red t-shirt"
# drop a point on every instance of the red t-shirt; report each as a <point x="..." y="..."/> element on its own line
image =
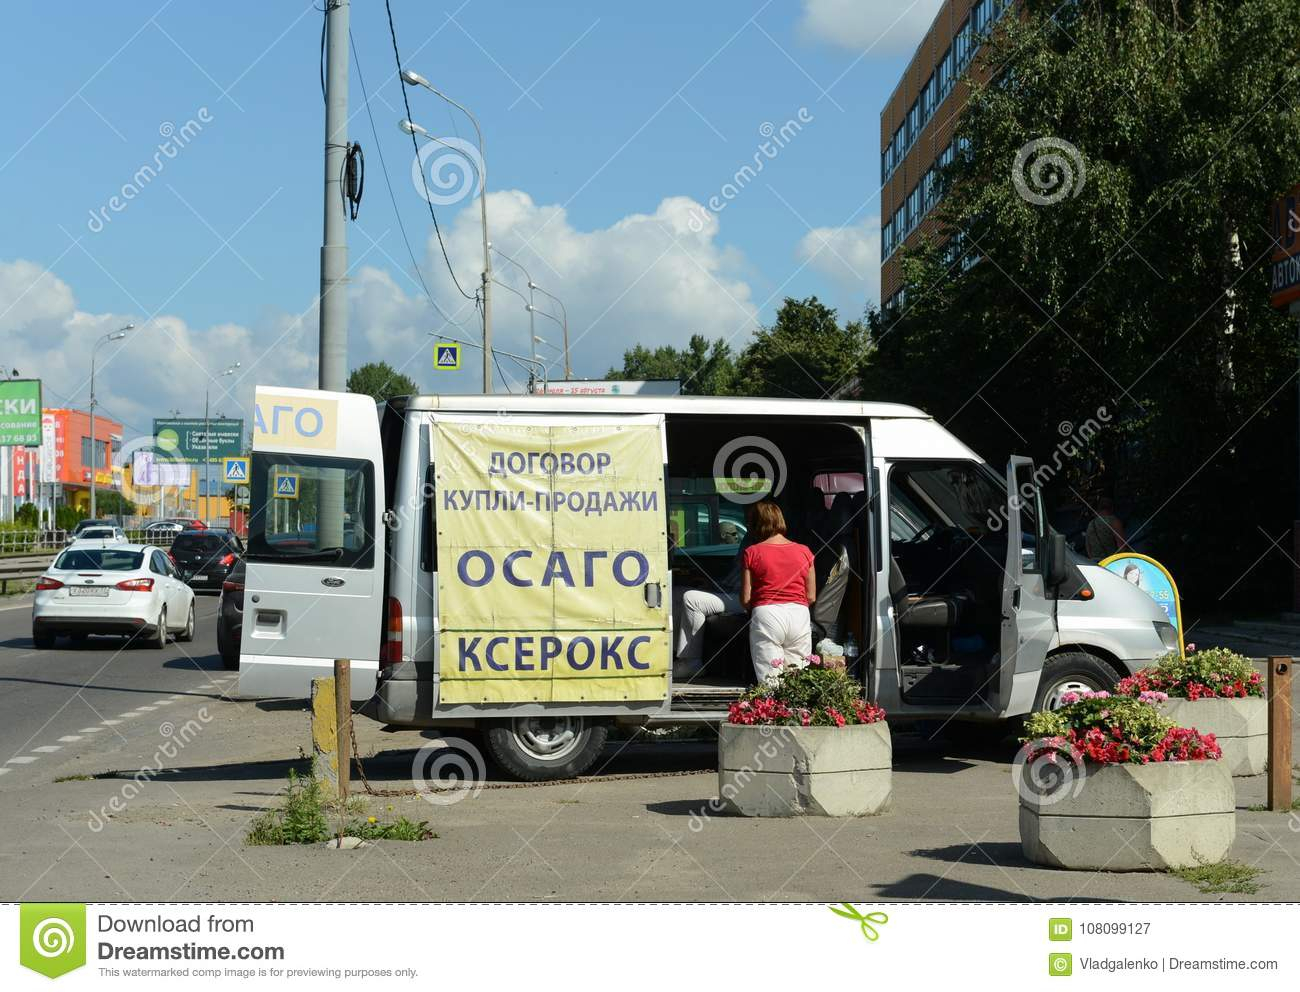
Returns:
<point x="778" y="573"/>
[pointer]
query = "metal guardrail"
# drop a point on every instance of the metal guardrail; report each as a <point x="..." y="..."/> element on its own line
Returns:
<point x="16" y="542"/>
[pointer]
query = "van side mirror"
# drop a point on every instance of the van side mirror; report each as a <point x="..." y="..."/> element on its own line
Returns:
<point x="1056" y="567"/>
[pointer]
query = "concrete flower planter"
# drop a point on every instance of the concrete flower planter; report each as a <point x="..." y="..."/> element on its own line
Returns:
<point x="805" y="771"/>
<point x="1133" y="818"/>
<point x="1239" y="725"/>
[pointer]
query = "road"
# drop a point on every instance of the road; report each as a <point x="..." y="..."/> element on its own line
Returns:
<point x="57" y="704"/>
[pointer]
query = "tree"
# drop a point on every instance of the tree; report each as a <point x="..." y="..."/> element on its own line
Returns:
<point x="702" y="368"/>
<point x="1109" y="262"/>
<point x="111" y="503"/>
<point x="805" y="353"/>
<point x="381" y="381"/>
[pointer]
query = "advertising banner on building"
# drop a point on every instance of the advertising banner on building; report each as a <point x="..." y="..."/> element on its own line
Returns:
<point x="20" y="412"/>
<point x="186" y="439"/>
<point x="1284" y="271"/>
<point x="552" y="561"/>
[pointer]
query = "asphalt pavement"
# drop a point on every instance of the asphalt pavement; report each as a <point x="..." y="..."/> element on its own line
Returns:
<point x="133" y="774"/>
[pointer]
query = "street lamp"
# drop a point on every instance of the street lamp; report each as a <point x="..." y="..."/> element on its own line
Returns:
<point x="532" y="324"/>
<point x="207" y="435"/>
<point x="415" y="79"/>
<point x="568" y="369"/>
<point x="117" y="335"/>
<point x="564" y="326"/>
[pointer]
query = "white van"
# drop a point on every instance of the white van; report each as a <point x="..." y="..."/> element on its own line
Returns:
<point x="509" y="562"/>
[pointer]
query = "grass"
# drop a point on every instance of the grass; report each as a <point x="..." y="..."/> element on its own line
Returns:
<point x="1221" y="877"/>
<point x="1262" y="808"/>
<point x="75" y="778"/>
<point x="302" y="819"/>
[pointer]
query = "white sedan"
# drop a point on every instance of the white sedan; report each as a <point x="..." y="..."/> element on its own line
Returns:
<point x="131" y="589"/>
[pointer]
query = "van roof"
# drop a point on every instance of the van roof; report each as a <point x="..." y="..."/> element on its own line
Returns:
<point x="751" y="405"/>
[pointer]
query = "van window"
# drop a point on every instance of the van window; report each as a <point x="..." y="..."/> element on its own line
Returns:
<point x="311" y="509"/>
<point x="929" y="500"/>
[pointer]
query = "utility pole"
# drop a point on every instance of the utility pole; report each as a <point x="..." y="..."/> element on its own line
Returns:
<point x="334" y="255"/>
<point x="334" y="251"/>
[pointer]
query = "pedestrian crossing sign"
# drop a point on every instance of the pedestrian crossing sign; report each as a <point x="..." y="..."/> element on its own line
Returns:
<point x="286" y="486"/>
<point x="236" y="470"/>
<point x="446" y="357"/>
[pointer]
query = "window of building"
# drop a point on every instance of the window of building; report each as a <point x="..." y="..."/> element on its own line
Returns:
<point x="899" y="148"/>
<point x="886" y="239"/>
<point x="99" y="459"/>
<point x="913" y="123"/>
<point x="914" y="211"/>
<point x="900" y="225"/>
<point x="886" y="162"/>
<point x="961" y="45"/>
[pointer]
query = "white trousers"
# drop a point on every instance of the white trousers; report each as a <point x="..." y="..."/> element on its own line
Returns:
<point x="693" y="608"/>
<point x="780" y="631"/>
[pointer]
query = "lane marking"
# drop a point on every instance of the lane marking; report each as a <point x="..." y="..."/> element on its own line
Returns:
<point x="24" y="760"/>
<point x="47" y="749"/>
<point x="145" y="709"/>
<point x="110" y="723"/>
<point x="69" y="739"/>
<point x="5" y="771"/>
<point x="163" y="702"/>
<point x="90" y="730"/>
<point x="127" y="716"/>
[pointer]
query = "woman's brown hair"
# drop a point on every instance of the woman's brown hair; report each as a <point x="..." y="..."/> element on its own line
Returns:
<point x="765" y="520"/>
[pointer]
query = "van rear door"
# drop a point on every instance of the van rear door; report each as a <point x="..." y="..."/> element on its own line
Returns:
<point x="314" y="584"/>
<point x="1027" y="620"/>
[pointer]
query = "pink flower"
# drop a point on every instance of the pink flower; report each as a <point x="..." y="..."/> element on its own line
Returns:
<point x="777" y="662"/>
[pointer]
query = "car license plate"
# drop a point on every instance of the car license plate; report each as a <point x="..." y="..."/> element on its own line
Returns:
<point x="87" y="590"/>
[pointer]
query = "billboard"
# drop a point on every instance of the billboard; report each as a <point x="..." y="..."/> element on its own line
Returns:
<point x="1284" y="272"/>
<point x="613" y="387"/>
<point x="185" y="439"/>
<point x="20" y="412"/>
<point x="147" y="469"/>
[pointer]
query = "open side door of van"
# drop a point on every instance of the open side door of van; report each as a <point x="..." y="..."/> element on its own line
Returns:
<point x="1027" y="621"/>
<point x="315" y="575"/>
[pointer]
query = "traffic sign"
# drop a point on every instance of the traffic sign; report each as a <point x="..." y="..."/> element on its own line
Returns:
<point x="286" y="486"/>
<point x="235" y="470"/>
<point x="446" y="357"/>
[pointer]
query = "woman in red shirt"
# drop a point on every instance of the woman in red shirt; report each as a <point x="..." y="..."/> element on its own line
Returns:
<point x="777" y="586"/>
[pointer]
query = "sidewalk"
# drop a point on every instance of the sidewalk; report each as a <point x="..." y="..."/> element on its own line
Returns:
<point x="952" y="832"/>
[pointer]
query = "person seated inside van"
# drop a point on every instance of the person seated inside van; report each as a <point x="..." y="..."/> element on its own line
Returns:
<point x="778" y="585"/>
<point x="693" y="605"/>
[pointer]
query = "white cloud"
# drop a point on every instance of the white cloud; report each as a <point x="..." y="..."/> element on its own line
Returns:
<point x="894" y="28"/>
<point x="850" y="258"/>
<point x="649" y="278"/>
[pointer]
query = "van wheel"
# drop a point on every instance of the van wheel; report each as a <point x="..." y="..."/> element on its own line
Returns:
<point x="544" y="748"/>
<point x="1071" y="671"/>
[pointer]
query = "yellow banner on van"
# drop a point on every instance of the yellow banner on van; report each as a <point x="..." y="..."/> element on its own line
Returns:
<point x="551" y="541"/>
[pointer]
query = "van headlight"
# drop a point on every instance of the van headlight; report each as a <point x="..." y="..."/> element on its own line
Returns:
<point x="1167" y="633"/>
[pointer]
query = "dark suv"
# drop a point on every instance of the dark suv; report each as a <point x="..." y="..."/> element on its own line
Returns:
<point x="230" y="618"/>
<point x="205" y="557"/>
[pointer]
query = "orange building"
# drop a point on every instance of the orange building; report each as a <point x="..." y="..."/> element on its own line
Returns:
<point x="66" y="458"/>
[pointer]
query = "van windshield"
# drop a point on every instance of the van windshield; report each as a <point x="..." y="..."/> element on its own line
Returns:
<point x="311" y="510"/>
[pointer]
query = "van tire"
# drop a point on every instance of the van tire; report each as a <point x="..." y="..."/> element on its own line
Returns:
<point x="1071" y="670"/>
<point x="520" y="746"/>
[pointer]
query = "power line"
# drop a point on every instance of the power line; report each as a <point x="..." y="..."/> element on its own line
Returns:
<point x="383" y="166"/>
<point x="392" y="32"/>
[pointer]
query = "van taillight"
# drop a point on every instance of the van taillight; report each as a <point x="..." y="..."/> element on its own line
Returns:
<point x="390" y="651"/>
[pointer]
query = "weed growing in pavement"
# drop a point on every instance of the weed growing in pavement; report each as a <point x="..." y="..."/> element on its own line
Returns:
<point x="75" y="778"/>
<point x="1221" y="876"/>
<point x="302" y="819"/>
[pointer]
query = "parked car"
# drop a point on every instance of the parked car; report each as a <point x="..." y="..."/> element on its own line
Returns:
<point x="230" y="618"/>
<point x="131" y="589"/>
<point x="205" y="557"/>
<point x="83" y="525"/>
<point x="172" y="526"/>
<point x="108" y="534"/>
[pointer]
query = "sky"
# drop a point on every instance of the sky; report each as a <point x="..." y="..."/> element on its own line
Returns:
<point x="163" y="165"/>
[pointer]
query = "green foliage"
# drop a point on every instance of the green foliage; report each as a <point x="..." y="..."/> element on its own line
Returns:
<point x="702" y="368"/>
<point x="302" y="819"/>
<point x="1198" y="674"/>
<point x="1222" y="877"/>
<point x="1123" y="302"/>
<point x="1141" y="725"/>
<point x="66" y="517"/>
<point x="27" y="515"/>
<point x="110" y="503"/>
<point x="381" y="381"/>
<point x="806" y="697"/>
<point x="806" y="353"/>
